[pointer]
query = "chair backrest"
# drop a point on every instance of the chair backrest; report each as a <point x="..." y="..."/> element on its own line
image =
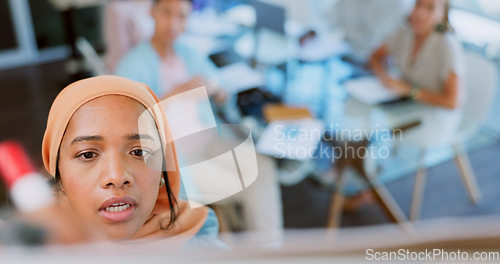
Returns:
<point x="94" y="61"/>
<point x="481" y="85"/>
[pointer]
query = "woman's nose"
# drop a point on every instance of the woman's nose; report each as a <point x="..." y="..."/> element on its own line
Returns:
<point x="116" y="172"/>
<point x="174" y="23"/>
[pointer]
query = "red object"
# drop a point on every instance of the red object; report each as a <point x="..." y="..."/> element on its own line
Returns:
<point x="14" y="162"/>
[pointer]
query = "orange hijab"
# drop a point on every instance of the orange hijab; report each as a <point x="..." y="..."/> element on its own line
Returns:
<point x="189" y="221"/>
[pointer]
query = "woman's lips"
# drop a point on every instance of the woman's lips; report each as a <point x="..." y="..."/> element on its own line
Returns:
<point x="118" y="209"/>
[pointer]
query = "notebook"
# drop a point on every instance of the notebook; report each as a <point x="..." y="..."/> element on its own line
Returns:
<point x="371" y="91"/>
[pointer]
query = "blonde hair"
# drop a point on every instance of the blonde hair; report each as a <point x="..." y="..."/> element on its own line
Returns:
<point x="445" y="25"/>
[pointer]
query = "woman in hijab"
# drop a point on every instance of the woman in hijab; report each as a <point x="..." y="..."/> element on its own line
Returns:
<point x="109" y="148"/>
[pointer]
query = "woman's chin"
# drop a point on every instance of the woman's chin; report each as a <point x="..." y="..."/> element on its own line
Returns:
<point x="420" y="29"/>
<point x="119" y="233"/>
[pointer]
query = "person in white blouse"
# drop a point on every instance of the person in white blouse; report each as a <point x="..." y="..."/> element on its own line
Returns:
<point x="430" y="60"/>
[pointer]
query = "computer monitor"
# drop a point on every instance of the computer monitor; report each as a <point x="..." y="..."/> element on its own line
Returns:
<point x="269" y="16"/>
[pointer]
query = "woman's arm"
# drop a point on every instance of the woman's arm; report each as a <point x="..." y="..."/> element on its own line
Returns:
<point x="378" y="62"/>
<point x="447" y="98"/>
<point x="194" y="82"/>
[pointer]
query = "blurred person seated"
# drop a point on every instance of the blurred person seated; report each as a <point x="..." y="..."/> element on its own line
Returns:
<point x="166" y="62"/>
<point x="430" y="60"/>
<point x="126" y="24"/>
<point x="169" y="66"/>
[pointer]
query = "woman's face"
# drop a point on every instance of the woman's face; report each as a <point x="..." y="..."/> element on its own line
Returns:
<point x="426" y="14"/>
<point x="170" y="18"/>
<point x="105" y="180"/>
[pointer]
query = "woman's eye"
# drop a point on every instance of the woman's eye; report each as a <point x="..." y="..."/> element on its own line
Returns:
<point x="140" y="152"/>
<point x="87" y="156"/>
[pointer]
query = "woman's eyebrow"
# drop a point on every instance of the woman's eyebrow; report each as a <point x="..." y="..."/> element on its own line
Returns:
<point x="86" y="138"/>
<point x="139" y="137"/>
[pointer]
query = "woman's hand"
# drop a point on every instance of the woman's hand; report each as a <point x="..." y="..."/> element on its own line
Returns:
<point x="377" y="64"/>
<point x="219" y="95"/>
<point x="396" y="85"/>
<point x="194" y="82"/>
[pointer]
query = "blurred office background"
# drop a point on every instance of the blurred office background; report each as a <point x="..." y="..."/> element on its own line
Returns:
<point x="47" y="44"/>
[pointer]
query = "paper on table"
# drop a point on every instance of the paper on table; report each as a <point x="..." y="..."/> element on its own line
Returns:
<point x="370" y="90"/>
<point x="323" y="47"/>
<point x="239" y="76"/>
<point x="205" y="45"/>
